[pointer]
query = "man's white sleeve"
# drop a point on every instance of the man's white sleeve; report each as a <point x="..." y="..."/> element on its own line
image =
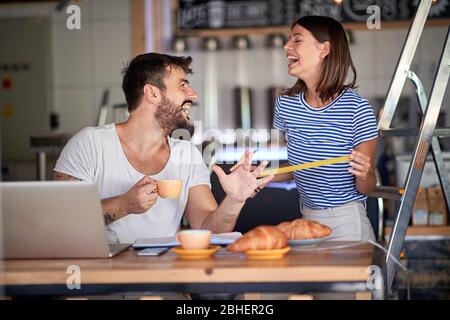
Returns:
<point x="199" y="173"/>
<point x="79" y="157"/>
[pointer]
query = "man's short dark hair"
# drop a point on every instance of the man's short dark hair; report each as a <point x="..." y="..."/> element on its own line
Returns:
<point x="149" y="68"/>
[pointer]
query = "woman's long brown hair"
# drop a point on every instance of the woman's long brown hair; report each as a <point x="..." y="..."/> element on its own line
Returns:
<point x="336" y="64"/>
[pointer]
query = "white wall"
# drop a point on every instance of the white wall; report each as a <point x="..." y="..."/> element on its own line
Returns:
<point x="85" y="61"/>
<point x="89" y="60"/>
<point x="376" y="53"/>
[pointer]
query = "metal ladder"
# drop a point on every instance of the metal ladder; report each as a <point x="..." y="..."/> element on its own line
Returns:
<point x="427" y="136"/>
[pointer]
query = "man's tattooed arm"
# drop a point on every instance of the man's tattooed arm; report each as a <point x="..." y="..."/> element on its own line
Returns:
<point x="109" y="218"/>
<point x="113" y="209"/>
<point x="63" y="177"/>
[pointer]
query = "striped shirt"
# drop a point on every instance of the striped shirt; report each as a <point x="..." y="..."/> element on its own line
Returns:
<point x="317" y="134"/>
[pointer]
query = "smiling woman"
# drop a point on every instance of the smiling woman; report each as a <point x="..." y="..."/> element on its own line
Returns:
<point x="311" y="43"/>
<point x="323" y="117"/>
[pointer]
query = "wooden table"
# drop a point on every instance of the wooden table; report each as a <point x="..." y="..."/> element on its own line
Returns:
<point x="328" y="266"/>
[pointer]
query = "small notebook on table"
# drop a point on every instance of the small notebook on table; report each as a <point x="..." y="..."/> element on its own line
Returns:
<point x="216" y="239"/>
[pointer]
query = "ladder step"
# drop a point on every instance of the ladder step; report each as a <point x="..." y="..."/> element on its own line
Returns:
<point x="387" y="192"/>
<point x="413" y="132"/>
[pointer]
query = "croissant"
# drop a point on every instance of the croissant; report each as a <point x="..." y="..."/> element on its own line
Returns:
<point x="260" y="238"/>
<point x="301" y="229"/>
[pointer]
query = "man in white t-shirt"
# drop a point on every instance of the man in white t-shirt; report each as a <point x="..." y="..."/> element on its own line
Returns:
<point x="126" y="159"/>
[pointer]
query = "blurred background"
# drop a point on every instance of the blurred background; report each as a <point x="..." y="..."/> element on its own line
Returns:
<point x="60" y="71"/>
<point x="55" y="80"/>
<point x="61" y="62"/>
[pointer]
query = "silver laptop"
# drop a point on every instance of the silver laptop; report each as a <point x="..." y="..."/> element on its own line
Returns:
<point x="53" y="219"/>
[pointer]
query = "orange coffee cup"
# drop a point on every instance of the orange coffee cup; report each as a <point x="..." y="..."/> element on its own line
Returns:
<point x="170" y="189"/>
<point x="194" y="239"/>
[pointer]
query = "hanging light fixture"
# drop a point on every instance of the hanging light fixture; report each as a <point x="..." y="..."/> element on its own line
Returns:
<point x="211" y="45"/>
<point x="180" y="44"/>
<point x="242" y="92"/>
<point x="276" y="41"/>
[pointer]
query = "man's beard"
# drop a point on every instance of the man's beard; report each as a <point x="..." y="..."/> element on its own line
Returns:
<point x="170" y="117"/>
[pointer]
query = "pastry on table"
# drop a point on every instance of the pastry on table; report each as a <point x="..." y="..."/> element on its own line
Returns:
<point x="301" y="229"/>
<point x="260" y="238"/>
